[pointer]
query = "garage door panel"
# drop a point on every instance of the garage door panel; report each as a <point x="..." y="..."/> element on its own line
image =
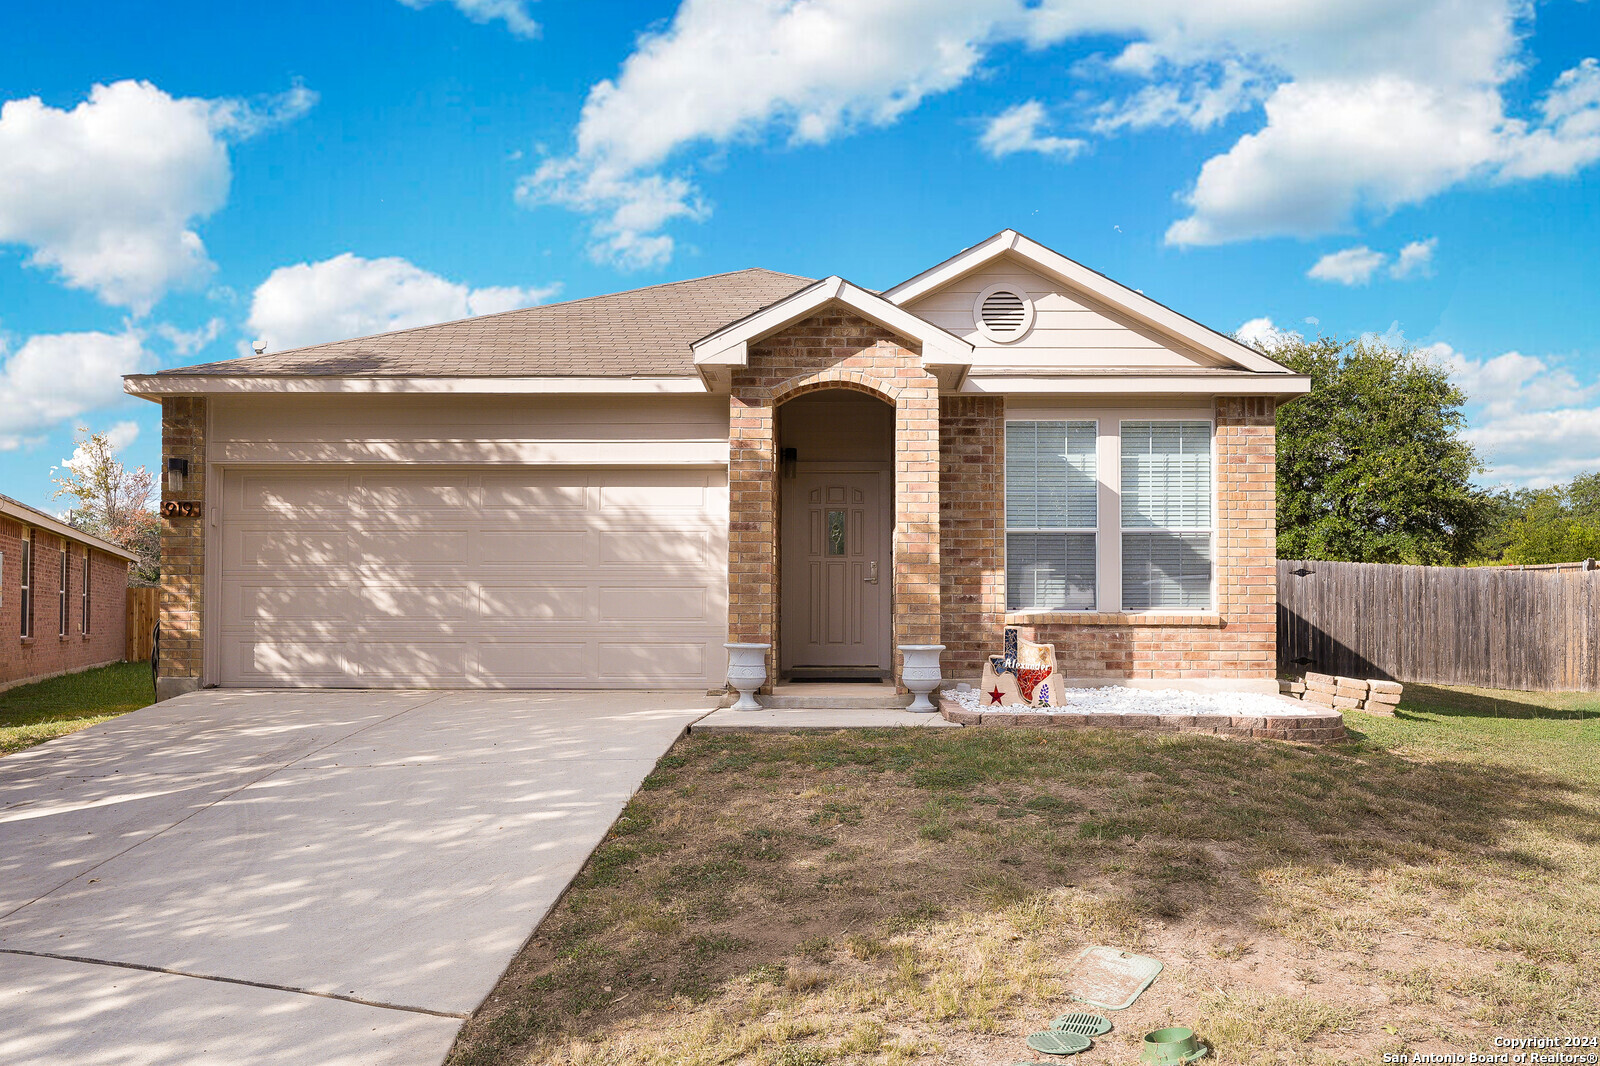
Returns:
<point x="654" y="605"/>
<point x="279" y="660"/>
<point x="411" y="493"/>
<point x="676" y="547"/>
<point x="250" y="604"/>
<point x="258" y="548"/>
<point x="639" y="660"/>
<point x="552" y="664"/>
<point x="410" y="604"/>
<point x="410" y="661"/>
<point x="455" y="577"/>
<point x="544" y="603"/>
<point x="293" y="494"/>
<point x="538" y="492"/>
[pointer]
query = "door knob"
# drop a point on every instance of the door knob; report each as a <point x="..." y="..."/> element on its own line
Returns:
<point x="872" y="573"/>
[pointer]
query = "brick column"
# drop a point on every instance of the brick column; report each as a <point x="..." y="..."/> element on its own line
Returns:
<point x="1247" y="575"/>
<point x="972" y="458"/>
<point x="752" y="525"/>
<point x="183" y="543"/>
<point x="916" y="511"/>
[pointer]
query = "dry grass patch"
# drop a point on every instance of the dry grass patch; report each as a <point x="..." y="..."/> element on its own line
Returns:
<point x="917" y="896"/>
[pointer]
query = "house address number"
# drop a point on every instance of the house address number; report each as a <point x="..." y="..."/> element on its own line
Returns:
<point x="180" y="509"/>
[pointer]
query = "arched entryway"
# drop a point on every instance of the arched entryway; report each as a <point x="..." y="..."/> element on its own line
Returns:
<point x="836" y="452"/>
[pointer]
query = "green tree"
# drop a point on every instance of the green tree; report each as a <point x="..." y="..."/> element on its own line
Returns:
<point x="112" y="502"/>
<point x="1371" y="465"/>
<point x="1558" y="525"/>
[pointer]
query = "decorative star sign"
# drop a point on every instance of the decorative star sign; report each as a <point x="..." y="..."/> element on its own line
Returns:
<point x="995" y="695"/>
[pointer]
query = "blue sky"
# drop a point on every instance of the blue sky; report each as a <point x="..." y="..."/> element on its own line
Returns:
<point x="178" y="179"/>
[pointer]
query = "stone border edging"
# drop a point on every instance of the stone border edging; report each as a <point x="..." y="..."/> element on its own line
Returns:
<point x="1303" y="728"/>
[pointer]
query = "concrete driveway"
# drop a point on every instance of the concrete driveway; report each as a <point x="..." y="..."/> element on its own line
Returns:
<point x="240" y="877"/>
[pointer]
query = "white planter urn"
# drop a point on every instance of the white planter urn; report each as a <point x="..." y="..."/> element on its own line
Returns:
<point x="919" y="672"/>
<point x="747" y="671"/>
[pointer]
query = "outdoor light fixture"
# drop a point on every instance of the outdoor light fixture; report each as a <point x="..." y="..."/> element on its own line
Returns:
<point x="791" y="461"/>
<point x="177" y="470"/>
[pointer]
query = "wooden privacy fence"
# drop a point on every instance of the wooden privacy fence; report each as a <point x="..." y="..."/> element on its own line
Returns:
<point x="141" y="621"/>
<point x="1496" y="627"/>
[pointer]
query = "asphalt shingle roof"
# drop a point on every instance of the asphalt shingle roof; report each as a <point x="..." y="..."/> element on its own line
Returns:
<point x="644" y="331"/>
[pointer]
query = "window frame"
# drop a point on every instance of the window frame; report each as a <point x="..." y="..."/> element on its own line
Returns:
<point x="83" y="593"/>
<point x="1211" y="531"/>
<point x="1006" y="529"/>
<point x="64" y="590"/>
<point x="25" y="591"/>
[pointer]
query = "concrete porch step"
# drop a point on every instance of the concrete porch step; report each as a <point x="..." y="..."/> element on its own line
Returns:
<point x="818" y="697"/>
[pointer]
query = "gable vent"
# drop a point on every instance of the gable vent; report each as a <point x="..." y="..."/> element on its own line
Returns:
<point x="1003" y="314"/>
<point x="1004" y="311"/>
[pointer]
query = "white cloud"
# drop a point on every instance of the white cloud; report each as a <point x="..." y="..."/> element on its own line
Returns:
<point x="1016" y="129"/>
<point x="1263" y="334"/>
<point x="348" y="296"/>
<point x="1198" y="99"/>
<point x="1358" y="265"/>
<point x="1366" y="105"/>
<point x="1414" y="260"/>
<point x="189" y="341"/>
<point x="108" y="194"/>
<point x="55" y="377"/>
<point x="727" y="71"/>
<point x="1352" y="266"/>
<point x="514" y="13"/>
<point x="1534" y="422"/>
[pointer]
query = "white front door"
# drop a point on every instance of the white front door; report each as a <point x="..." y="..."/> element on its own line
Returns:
<point x="836" y="577"/>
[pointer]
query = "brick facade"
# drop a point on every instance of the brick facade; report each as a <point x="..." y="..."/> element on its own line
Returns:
<point x="1237" y="641"/>
<point x="832" y="349"/>
<point x="183" y="435"/>
<point x="47" y="653"/>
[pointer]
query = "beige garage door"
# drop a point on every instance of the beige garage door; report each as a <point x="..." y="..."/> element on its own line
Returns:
<point x="505" y="578"/>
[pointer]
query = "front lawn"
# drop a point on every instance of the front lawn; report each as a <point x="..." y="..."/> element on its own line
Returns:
<point x="916" y="896"/>
<point x="37" y="712"/>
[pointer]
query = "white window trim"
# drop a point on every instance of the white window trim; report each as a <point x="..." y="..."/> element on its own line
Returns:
<point x="1099" y="515"/>
<point x="25" y="587"/>
<point x="1108" y="538"/>
<point x="83" y="593"/>
<point x="63" y="593"/>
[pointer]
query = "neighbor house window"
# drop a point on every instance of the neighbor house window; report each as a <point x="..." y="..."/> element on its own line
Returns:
<point x="83" y="593"/>
<point x="1052" y="513"/>
<point x="25" y="600"/>
<point x="61" y="597"/>
<point x="1166" y="515"/>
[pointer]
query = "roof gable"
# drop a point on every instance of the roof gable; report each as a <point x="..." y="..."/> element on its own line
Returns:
<point x="717" y="353"/>
<point x="1084" y="289"/>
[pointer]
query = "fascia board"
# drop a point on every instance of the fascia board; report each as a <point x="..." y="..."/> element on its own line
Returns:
<point x="1280" y="385"/>
<point x="155" y="386"/>
<point x="29" y="517"/>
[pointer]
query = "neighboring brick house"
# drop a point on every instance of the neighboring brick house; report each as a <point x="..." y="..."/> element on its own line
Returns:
<point x="601" y="492"/>
<point x="63" y="598"/>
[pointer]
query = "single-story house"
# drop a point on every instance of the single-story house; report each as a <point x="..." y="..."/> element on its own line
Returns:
<point x="63" y="597"/>
<point x="602" y="492"/>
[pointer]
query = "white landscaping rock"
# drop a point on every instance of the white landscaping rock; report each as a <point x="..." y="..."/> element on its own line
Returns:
<point x="1114" y="699"/>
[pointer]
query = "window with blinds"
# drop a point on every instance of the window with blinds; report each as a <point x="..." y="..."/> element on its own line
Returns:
<point x="1052" y="513"/>
<point x="1166" y="515"/>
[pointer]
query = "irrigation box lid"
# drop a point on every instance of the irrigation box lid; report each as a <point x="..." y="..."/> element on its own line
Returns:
<point x="1110" y="977"/>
